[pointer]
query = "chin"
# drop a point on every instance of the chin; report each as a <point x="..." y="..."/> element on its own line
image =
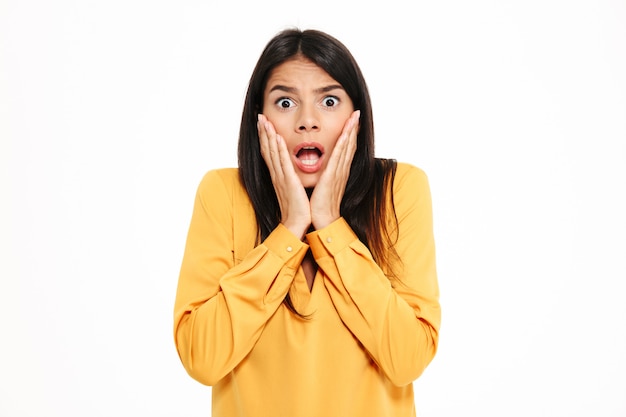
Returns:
<point x="308" y="181"/>
<point x="309" y="186"/>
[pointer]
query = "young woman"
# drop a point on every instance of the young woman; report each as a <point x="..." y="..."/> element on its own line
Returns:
<point x="308" y="285"/>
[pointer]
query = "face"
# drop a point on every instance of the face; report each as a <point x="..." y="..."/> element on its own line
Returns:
<point x="309" y="109"/>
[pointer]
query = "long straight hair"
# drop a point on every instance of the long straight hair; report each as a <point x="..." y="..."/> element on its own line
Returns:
<point x="368" y="195"/>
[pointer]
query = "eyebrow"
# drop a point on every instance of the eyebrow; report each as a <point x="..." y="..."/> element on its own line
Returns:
<point x="291" y="90"/>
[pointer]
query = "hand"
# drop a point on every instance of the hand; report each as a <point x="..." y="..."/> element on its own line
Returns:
<point x="292" y="198"/>
<point x="328" y="193"/>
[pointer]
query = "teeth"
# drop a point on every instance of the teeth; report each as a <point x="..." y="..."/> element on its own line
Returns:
<point x="309" y="156"/>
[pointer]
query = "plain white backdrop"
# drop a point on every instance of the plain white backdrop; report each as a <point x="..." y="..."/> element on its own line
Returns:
<point x="111" y="112"/>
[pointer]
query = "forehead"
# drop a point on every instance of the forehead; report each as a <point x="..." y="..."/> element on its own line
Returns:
<point x="299" y="72"/>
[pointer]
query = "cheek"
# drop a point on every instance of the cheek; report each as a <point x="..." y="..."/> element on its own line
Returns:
<point x="335" y="129"/>
<point x="279" y="121"/>
<point x="331" y="139"/>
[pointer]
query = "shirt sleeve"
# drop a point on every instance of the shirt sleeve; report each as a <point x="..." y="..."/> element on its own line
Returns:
<point x="397" y="321"/>
<point x="221" y="308"/>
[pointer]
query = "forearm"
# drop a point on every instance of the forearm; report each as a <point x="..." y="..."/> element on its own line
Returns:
<point x="215" y="331"/>
<point x="397" y="326"/>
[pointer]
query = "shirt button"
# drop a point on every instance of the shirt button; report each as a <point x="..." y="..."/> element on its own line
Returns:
<point x="329" y="239"/>
<point x="289" y="248"/>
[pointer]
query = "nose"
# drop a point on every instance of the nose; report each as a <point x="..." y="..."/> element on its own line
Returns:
<point x="307" y="120"/>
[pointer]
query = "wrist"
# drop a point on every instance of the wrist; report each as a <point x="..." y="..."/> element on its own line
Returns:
<point x="322" y="222"/>
<point x="299" y="229"/>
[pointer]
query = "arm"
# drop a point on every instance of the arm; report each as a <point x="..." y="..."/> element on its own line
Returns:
<point x="397" y="322"/>
<point x="221" y="308"/>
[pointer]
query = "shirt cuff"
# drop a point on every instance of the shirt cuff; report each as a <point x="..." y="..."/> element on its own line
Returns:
<point x="332" y="239"/>
<point x="286" y="246"/>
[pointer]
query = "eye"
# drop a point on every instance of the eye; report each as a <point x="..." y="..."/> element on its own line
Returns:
<point x="330" y="101"/>
<point x="284" y="103"/>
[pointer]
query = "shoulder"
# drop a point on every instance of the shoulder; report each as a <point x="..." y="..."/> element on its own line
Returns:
<point x="222" y="190"/>
<point x="411" y="190"/>
<point x="222" y="179"/>
<point x="221" y="187"/>
<point x="227" y="175"/>
<point x="409" y="176"/>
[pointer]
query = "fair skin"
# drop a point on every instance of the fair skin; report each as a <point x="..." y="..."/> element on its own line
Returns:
<point x="307" y="133"/>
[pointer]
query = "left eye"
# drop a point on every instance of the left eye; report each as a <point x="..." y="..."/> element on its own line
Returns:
<point x="330" y="101"/>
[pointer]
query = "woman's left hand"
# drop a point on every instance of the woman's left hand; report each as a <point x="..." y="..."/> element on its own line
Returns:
<point x="328" y="193"/>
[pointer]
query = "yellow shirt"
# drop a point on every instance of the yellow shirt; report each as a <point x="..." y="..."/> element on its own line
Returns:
<point x="366" y="340"/>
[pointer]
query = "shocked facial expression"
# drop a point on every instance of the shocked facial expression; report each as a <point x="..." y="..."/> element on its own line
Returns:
<point x="309" y="109"/>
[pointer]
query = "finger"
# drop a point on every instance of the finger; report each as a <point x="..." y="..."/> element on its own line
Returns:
<point x="352" y="140"/>
<point x="273" y="151"/>
<point x="346" y="145"/>
<point x="268" y="138"/>
<point x="284" y="156"/>
<point x="264" y="143"/>
<point x="334" y="165"/>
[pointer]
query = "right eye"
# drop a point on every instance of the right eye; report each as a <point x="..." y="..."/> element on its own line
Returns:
<point x="284" y="103"/>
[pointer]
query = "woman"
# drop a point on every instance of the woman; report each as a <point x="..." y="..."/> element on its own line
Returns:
<point x="308" y="285"/>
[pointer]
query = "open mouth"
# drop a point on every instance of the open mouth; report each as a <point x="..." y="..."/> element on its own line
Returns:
<point x="309" y="155"/>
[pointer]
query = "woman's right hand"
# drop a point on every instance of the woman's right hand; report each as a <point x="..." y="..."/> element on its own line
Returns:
<point x="292" y="198"/>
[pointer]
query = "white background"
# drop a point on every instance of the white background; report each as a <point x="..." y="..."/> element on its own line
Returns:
<point x="111" y="111"/>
